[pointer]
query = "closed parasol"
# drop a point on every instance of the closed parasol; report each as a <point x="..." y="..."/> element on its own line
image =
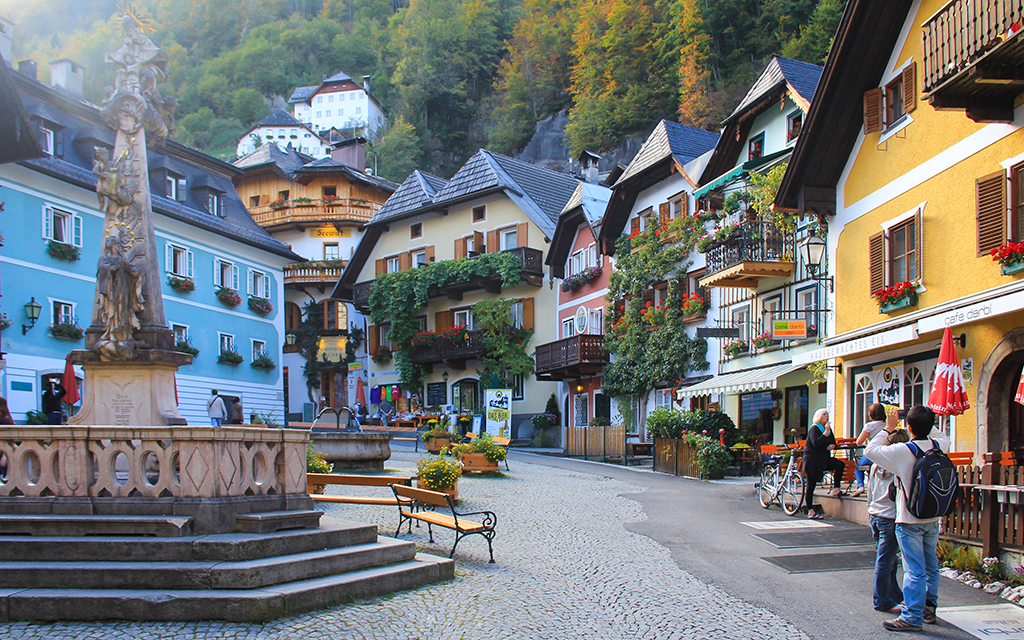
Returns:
<point x="69" y="382"/>
<point x="1020" y="390"/>
<point x="360" y="394"/>
<point x="948" y="396"/>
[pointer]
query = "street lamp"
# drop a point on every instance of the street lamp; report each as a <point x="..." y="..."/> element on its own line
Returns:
<point x="32" y="309"/>
<point x="444" y="376"/>
<point x="813" y="250"/>
<point x="290" y="339"/>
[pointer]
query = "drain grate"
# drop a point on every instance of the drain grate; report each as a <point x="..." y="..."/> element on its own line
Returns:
<point x="823" y="562"/>
<point x="817" y="538"/>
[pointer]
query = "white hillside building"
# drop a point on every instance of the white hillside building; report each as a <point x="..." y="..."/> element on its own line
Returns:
<point x="284" y="130"/>
<point x="339" y="102"/>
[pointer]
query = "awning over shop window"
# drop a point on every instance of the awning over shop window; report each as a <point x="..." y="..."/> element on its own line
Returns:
<point x="740" y="381"/>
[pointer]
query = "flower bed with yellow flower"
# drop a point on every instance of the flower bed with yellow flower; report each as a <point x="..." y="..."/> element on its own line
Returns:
<point x="438" y="472"/>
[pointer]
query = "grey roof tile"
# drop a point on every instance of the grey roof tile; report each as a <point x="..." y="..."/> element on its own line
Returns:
<point x="288" y="160"/>
<point x="802" y="76"/>
<point x="301" y="93"/>
<point x="417" y="191"/>
<point x="670" y="139"/>
<point x="279" y="118"/>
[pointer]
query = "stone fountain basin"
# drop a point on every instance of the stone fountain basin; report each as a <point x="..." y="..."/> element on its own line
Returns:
<point x="352" y="450"/>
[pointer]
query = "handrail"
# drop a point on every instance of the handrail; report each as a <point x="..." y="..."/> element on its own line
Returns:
<point x="960" y="33"/>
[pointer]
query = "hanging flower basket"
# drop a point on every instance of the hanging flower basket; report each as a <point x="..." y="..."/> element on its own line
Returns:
<point x="181" y="284"/>
<point x="260" y="306"/>
<point x="63" y="251"/>
<point x="898" y="296"/>
<point x="229" y="296"/>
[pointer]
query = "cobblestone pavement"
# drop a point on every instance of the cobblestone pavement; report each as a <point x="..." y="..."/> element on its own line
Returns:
<point x="566" y="568"/>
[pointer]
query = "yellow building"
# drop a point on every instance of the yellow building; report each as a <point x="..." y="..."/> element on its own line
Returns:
<point x="493" y="205"/>
<point x="913" y="153"/>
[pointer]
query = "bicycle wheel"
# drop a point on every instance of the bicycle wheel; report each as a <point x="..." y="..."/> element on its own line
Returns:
<point x="766" y="489"/>
<point x="792" y="493"/>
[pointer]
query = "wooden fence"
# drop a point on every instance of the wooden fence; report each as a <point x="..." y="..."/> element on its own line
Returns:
<point x="596" y="442"/>
<point x="675" y="457"/>
<point x="990" y="513"/>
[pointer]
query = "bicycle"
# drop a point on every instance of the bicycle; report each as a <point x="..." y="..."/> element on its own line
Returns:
<point x="786" y="488"/>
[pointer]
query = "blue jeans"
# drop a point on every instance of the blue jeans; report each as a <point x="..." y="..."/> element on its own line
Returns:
<point x="920" y="568"/>
<point x="887" y="592"/>
<point x="216" y="422"/>
<point x="857" y="473"/>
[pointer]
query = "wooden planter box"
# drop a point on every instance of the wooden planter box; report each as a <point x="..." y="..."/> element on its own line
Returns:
<point x="1012" y="269"/>
<point x="909" y="301"/>
<point x="694" y="317"/>
<point x="435" y="445"/>
<point x="452" y="491"/>
<point x="477" y="462"/>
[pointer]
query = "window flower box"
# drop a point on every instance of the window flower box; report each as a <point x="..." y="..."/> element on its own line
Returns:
<point x="67" y="331"/>
<point x="763" y="341"/>
<point x="381" y="355"/>
<point x="330" y="200"/>
<point x="228" y="296"/>
<point x="181" y="284"/>
<point x="736" y="348"/>
<point x="280" y="203"/>
<point x="456" y="335"/>
<point x="694" y="308"/>
<point x="899" y="296"/>
<point x="263" y="361"/>
<point x="63" y="251"/>
<point x="185" y="346"/>
<point x="423" y="340"/>
<point x="260" y="306"/>
<point x="229" y="356"/>
<point x="1012" y="268"/>
<point x="577" y="280"/>
<point x="1010" y="257"/>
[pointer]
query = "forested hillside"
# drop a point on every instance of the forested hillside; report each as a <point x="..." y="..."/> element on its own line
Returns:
<point x="454" y="75"/>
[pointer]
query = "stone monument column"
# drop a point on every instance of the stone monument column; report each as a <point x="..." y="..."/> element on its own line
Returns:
<point x="129" y="361"/>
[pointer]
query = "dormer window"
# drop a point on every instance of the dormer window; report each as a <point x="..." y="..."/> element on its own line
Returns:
<point x="215" y="203"/>
<point x="794" y="122"/>
<point x="46" y="140"/>
<point x="755" y="148"/>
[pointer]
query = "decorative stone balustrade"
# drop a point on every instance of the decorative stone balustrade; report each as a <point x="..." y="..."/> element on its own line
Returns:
<point x="210" y="473"/>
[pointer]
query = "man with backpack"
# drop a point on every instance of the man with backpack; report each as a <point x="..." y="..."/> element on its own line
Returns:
<point x="926" y="491"/>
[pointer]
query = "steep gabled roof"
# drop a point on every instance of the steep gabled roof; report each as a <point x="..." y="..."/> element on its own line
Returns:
<point x="287" y="160"/>
<point x="415" y="194"/>
<point x="586" y="206"/>
<point x="330" y="165"/>
<point x="17" y="136"/>
<point x="301" y="94"/>
<point x="338" y="77"/>
<point x="279" y="118"/>
<point x="801" y="76"/>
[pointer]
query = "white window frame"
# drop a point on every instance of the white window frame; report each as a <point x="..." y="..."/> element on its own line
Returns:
<point x="504" y="236"/>
<point x="214" y="203"/>
<point x="70" y="225"/>
<point x="332" y="255"/>
<point x="419" y="258"/>
<point x="516" y="311"/>
<point x="328" y="113"/>
<point x="393" y="265"/>
<point x="226" y="340"/>
<point x="219" y="266"/>
<point x="470" y="244"/>
<point x="171" y="186"/>
<point x="576" y="263"/>
<point x="593" y="255"/>
<point x="180" y="331"/>
<point x="736" y="316"/>
<point x="384" y="335"/>
<point x="568" y="327"/>
<point x="663" y="398"/>
<point x="595" y="321"/>
<point x="466" y="315"/>
<point x="172" y="254"/>
<point x="770" y="307"/>
<point x="63" y="316"/>
<point x="518" y="387"/>
<point x="259" y="347"/>
<point x="47" y="140"/>
<point x="258" y="284"/>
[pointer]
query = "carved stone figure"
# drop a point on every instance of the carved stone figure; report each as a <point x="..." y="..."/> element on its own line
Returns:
<point x="119" y="289"/>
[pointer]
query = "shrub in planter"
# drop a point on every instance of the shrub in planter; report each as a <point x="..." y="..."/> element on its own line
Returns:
<point x="423" y="339"/>
<point x="544" y="420"/>
<point x="185" y="346"/>
<point x="712" y="458"/>
<point x="438" y="472"/>
<point x="381" y="355"/>
<point x="181" y="284"/>
<point x="260" y="306"/>
<point x="229" y="356"/>
<point x="263" y="361"/>
<point x="67" y="330"/>
<point x="63" y="251"/>
<point x="228" y="296"/>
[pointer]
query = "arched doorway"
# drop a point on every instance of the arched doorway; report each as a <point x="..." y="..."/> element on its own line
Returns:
<point x="1000" y="419"/>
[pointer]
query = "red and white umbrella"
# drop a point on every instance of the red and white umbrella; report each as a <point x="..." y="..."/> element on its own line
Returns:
<point x="69" y="382"/>
<point x="948" y="396"/>
<point x="360" y="394"/>
<point x="1020" y="390"/>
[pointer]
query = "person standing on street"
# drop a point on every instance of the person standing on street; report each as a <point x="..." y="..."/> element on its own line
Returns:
<point x="917" y="538"/>
<point x="821" y="442"/>
<point x="215" y="407"/>
<point x="882" y="513"/>
<point x="51" y="402"/>
<point x="876" y="413"/>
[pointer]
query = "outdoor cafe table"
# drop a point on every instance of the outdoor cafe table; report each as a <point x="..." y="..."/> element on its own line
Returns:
<point x="1009" y="493"/>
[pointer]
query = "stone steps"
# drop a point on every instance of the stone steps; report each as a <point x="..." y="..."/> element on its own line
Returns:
<point x="93" y="525"/>
<point x="253" y="605"/>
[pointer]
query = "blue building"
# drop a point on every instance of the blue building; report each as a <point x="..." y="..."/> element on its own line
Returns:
<point x="221" y="272"/>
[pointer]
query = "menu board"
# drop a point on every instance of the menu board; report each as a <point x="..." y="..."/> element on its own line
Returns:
<point x="437" y="393"/>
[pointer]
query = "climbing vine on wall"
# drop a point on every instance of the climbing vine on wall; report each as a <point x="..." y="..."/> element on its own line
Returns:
<point x="505" y="353"/>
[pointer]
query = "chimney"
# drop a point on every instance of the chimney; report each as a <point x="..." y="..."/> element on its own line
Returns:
<point x="68" y="75"/>
<point x="6" y="36"/>
<point x="28" y="68"/>
<point x="352" y="155"/>
<point x="366" y="83"/>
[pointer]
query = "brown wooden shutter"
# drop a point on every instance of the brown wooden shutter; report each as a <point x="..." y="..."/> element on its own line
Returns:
<point x="404" y="261"/>
<point x="684" y="287"/>
<point x="460" y="248"/>
<point x="876" y="262"/>
<point x="442" y="320"/>
<point x="373" y="337"/>
<point x="910" y="87"/>
<point x="527" y="313"/>
<point x="523" y="234"/>
<point x="430" y="253"/>
<point x="634" y="225"/>
<point x="492" y="241"/>
<point x="874" y="110"/>
<point x="991" y="211"/>
<point x="684" y="204"/>
<point x="382" y="267"/>
<point x="663" y="214"/>
<point x="478" y="242"/>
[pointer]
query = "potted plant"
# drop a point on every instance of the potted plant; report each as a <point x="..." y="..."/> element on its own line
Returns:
<point x="185" y="346"/>
<point x="381" y="355"/>
<point x="898" y="296"/>
<point x="181" y="284"/>
<point x="763" y="341"/>
<point x="63" y="251"/>
<point x="694" y="307"/>
<point x="735" y="348"/>
<point x="316" y="462"/>
<point x="1010" y="256"/>
<point x="260" y="306"/>
<point x="228" y="296"/>
<point x="438" y="438"/>
<point x="229" y="356"/>
<point x="263" y="361"/>
<point x="482" y="454"/>
<point x="67" y="330"/>
<point x="439" y="473"/>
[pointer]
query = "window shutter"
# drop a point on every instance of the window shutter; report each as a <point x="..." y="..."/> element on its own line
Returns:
<point x="528" y="313"/>
<point x="478" y="242"/>
<point x="492" y="241"/>
<point x="190" y="272"/>
<point x="663" y="215"/>
<point x="382" y="267"/>
<point x="168" y="258"/>
<point x="684" y="286"/>
<point x="58" y="143"/>
<point x="648" y="296"/>
<point x="373" y="337"/>
<point x="460" y="248"/>
<point x="634" y="225"/>
<point x="182" y="192"/>
<point x="404" y="261"/>
<point x="990" y="211"/>
<point x="234" y="277"/>
<point x="216" y="273"/>
<point x="684" y="204"/>
<point x="48" y="223"/>
<point x="76" y="238"/>
<point x="249" y="284"/>
<point x="430" y="253"/>
<point x="910" y="87"/>
<point x="523" y="234"/>
<point x="266" y="281"/>
<point x="873" y="110"/>
<point x="876" y="262"/>
<point x="442" y="320"/>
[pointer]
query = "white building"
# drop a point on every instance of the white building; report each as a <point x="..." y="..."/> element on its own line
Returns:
<point x="281" y="128"/>
<point x="339" y="102"/>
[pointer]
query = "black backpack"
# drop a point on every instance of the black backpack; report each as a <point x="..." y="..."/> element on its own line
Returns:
<point x="935" y="487"/>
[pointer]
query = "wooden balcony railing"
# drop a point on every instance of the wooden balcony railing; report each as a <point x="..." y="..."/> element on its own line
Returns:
<point x="309" y="213"/>
<point x="755" y="250"/>
<point x="297" y="274"/>
<point x="583" y="354"/>
<point x="962" y="32"/>
<point x="454" y="353"/>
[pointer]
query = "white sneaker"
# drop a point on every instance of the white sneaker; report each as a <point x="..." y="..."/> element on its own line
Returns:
<point x="856" y="492"/>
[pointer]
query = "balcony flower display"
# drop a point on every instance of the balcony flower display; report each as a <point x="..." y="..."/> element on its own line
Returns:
<point x="423" y="340"/>
<point x="68" y="330"/>
<point x="456" y="335"/>
<point x="228" y="296"/>
<point x="516" y="335"/>
<point x="302" y="200"/>
<point x="1010" y="256"/>
<point x="381" y="355"/>
<point x="229" y="356"/>
<point x="763" y="341"/>
<point x="280" y="203"/>
<point x="263" y="361"/>
<point x="181" y="284"/>
<point x="735" y="348"/>
<point x="260" y="306"/>
<point x="703" y="216"/>
<point x="63" y="251"/>
<point x="654" y="314"/>
<point x="330" y="200"/>
<point x="577" y="280"/>
<point x="185" y="346"/>
<point x="902" y="294"/>
<point x="693" y="304"/>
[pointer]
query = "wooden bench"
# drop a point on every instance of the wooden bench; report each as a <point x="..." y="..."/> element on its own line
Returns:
<point x="411" y="502"/>
<point x="407" y="435"/>
<point x="314" y="479"/>
<point x="966" y="458"/>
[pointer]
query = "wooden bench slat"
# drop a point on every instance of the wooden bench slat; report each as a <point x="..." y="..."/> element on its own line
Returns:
<point x="386" y="502"/>
<point x="364" y="481"/>
<point x="442" y="520"/>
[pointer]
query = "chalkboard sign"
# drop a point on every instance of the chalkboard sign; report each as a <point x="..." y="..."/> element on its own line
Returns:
<point x="437" y="393"/>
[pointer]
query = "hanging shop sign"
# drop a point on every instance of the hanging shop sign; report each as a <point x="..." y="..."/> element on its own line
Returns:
<point x="789" y="329"/>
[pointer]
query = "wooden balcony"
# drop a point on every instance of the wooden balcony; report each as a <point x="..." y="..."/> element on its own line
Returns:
<point x="756" y="250"/>
<point x="973" y="58"/>
<point x="530" y="260"/>
<point x="452" y="354"/>
<point x="570" y="358"/>
<point x="300" y="215"/>
<point x="299" y="276"/>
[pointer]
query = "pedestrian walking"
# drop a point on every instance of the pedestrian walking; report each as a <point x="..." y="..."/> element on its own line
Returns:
<point x="215" y="407"/>
<point x="821" y="442"/>
<point x="876" y="416"/>
<point x="52" y="397"/>
<point x="237" y="412"/>
<point x="917" y="538"/>
<point x="887" y="594"/>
